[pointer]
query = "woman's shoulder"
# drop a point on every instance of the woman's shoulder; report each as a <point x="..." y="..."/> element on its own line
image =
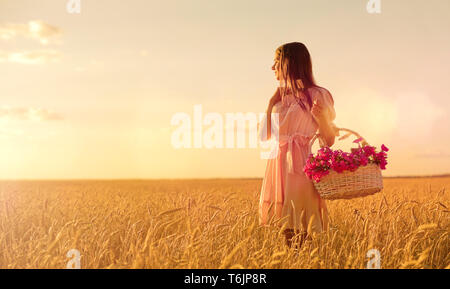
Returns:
<point x="319" y="92"/>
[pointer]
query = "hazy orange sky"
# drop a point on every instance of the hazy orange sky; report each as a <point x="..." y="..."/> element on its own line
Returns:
<point x="91" y="95"/>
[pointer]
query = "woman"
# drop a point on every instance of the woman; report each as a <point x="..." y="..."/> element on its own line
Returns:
<point x="303" y="108"/>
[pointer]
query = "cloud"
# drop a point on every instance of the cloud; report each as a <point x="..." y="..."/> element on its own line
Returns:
<point x="31" y="57"/>
<point x="28" y="113"/>
<point x="37" y="30"/>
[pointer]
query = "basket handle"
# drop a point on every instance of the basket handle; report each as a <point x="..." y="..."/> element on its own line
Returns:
<point x="349" y="132"/>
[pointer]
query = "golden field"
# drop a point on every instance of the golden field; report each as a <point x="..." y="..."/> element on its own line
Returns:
<point x="213" y="224"/>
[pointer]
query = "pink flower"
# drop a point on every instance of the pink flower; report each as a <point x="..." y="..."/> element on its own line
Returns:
<point x="355" y="150"/>
<point x="316" y="178"/>
<point x="326" y="159"/>
<point x="369" y="150"/>
<point x="358" y="140"/>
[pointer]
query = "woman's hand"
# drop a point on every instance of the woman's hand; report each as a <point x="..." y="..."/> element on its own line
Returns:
<point x="325" y="129"/>
<point x="318" y="112"/>
<point x="275" y="98"/>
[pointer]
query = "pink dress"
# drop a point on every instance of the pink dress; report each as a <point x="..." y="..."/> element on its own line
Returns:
<point x="286" y="191"/>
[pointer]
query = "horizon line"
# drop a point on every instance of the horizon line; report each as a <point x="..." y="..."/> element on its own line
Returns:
<point x="204" y="179"/>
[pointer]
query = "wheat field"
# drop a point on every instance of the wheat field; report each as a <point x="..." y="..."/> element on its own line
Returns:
<point x="213" y="224"/>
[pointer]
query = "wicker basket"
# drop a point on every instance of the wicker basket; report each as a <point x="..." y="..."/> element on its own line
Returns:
<point x="364" y="181"/>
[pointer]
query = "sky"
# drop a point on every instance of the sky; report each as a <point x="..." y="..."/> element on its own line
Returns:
<point x="92" y="94"/>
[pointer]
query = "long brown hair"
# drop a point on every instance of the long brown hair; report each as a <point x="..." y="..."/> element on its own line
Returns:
<point x="296" y="67"/>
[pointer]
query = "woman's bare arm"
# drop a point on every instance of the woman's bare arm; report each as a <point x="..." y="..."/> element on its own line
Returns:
<point x="327" y="132"/>
<point x="274" y="100"/>
<point x="325" y="129"/>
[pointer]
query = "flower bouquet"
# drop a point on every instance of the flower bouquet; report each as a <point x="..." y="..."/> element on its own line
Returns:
<point x="342" y="175"/>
